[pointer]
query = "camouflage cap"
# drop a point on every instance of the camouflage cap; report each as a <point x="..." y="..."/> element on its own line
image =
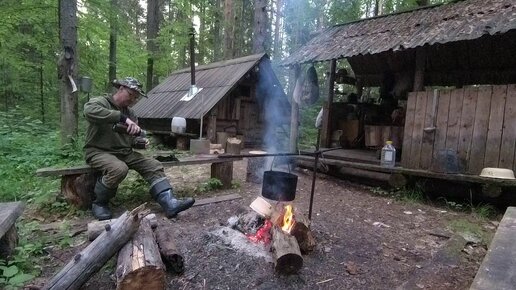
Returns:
<point x="131" y="83"/>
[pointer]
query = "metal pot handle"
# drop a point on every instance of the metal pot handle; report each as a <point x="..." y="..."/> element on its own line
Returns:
<point x="272" y="164"/>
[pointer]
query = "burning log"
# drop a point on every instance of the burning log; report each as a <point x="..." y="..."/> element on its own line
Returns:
<point x="95" y="228"/>
<point x="94" y="256"/>
<point x="301" y="231"/>
<point x="139" y="263"/>
<point x="287" y="255"/>
<point x="169" y="252"/>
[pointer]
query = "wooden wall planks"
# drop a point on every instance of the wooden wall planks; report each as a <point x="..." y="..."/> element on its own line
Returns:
<point x="478" y="123"/>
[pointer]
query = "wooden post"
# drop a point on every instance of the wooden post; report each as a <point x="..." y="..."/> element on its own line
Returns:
<point x="9" y="213"/>
<point x="419" y="73"/>
<point x="94" y="256"/>
<point x="326" y="124"/>
<point x="223" y="171"/>
<point x="139" y="263"/>
<point x="78" y="189"/>
<point x="212" y="126"/>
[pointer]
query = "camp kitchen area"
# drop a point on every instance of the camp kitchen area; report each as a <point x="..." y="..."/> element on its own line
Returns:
<point x="437" y="81"/>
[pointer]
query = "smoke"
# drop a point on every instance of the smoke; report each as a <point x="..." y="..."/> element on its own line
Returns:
<point x="276" y="114"/>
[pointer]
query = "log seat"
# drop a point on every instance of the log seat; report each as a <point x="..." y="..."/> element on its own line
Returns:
<point x="77" y="181"/>
<point x="9" y="213"/>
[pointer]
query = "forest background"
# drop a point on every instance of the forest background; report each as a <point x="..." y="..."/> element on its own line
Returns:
<point x="144" y="39"/>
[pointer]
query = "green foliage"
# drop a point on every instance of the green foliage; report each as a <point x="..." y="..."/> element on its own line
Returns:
<point x="484" y="211"/>
<point x="407" y="194"/>
<point x="211" y="184"/>
<point x="467" y="228"/>
<point x="26" y="144"/>
<point x="12" y="277"/>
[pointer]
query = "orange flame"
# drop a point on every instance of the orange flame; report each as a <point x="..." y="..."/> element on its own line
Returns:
<point x="288" y="219"/>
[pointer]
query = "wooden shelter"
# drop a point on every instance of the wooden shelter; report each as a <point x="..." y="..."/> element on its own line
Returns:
<point x="234" y="98"/>
<point x="450" y="69"/>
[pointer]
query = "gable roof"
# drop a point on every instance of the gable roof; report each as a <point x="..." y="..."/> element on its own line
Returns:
<point x="461" y="20"/>
<point x="216" y="80"/>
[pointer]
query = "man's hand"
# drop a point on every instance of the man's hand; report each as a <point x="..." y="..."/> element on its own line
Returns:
<point x="132" y="127"/>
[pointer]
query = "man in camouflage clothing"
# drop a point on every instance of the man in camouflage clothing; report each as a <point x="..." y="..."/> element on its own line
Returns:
<point x="112" y="153"/>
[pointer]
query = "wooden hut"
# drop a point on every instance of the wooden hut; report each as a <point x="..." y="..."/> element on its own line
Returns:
<point x="451" y="68"/>
<point x="234" y="99"/>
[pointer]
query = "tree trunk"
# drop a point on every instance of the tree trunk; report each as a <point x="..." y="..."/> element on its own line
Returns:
<point x="287" y="256"/>
<point x="139" y="263"/>
<point x="169" y="253"/>
<point x="94" y="256"/>
<point x="260" y="26"/>
<point x="152" y="33"/>
<point x="228" y="29"/>
<point x="67" y="67"/>
<point x="277" y="30"/>
<point x="217" y="55"/>
<point x="113" y="38"/>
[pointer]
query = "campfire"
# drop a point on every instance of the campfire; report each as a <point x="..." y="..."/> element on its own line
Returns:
<point x="287" y="231"/>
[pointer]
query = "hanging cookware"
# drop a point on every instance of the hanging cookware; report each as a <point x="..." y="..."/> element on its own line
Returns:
<point x="279" y="185"/>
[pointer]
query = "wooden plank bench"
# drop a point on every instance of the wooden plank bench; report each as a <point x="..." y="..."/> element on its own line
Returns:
<point x="498" y="269"/>
<point x="77" y="182"/>
<point x="9" y="213"/>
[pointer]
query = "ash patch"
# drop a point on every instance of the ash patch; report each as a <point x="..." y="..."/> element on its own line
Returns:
<point x="227" y="237"/>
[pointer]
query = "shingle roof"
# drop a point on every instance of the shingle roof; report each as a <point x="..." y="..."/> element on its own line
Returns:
<point x="462" y="20"/>
<point x="215" y="79"/>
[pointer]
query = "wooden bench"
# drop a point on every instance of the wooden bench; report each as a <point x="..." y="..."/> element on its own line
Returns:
<point x="498" y="269"/>
<point x="77" y="182"/>
<point x="9" y="213"/>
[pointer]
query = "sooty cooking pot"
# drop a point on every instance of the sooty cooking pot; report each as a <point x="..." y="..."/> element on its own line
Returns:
<point x="279" y="185"/>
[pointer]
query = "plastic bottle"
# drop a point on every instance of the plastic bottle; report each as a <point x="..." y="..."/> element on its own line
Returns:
<point x="388" y="158"/>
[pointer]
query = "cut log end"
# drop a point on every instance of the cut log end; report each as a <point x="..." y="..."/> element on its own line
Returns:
<point x="148" y="278"/>
<point x="289" y="264"/>
<point x="174" y="262"/>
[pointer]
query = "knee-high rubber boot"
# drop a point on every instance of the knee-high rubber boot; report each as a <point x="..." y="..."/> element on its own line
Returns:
<point x="163" y="194"/>
<point x="100" y="206"/>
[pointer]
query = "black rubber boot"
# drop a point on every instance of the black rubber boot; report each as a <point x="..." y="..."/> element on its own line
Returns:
<point x="164" y="195"/>
<point x="100" y="206"/>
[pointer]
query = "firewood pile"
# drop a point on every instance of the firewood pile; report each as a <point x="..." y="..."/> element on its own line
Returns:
<point x="144" y="253"/>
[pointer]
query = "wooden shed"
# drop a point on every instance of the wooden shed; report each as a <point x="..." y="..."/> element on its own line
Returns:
<point x="235" y="96"/>
<point x="450" y="68"/>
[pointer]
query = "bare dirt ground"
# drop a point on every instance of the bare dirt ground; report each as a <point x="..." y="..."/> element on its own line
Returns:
<point x="364" y="241"/>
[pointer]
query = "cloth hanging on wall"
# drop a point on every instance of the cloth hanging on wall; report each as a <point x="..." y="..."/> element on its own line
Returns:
<point x="306" y="90"/>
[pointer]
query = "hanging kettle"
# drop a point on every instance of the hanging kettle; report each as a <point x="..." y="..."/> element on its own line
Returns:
<point x="279" y="185"/>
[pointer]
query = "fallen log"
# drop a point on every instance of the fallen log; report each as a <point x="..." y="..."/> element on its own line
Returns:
<point x="171" y="256"/>
<point x="84" y="264"/>
<point x="95" y="228"/>
<point x="287" y="256"/>
<point x="139" y="264"/>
